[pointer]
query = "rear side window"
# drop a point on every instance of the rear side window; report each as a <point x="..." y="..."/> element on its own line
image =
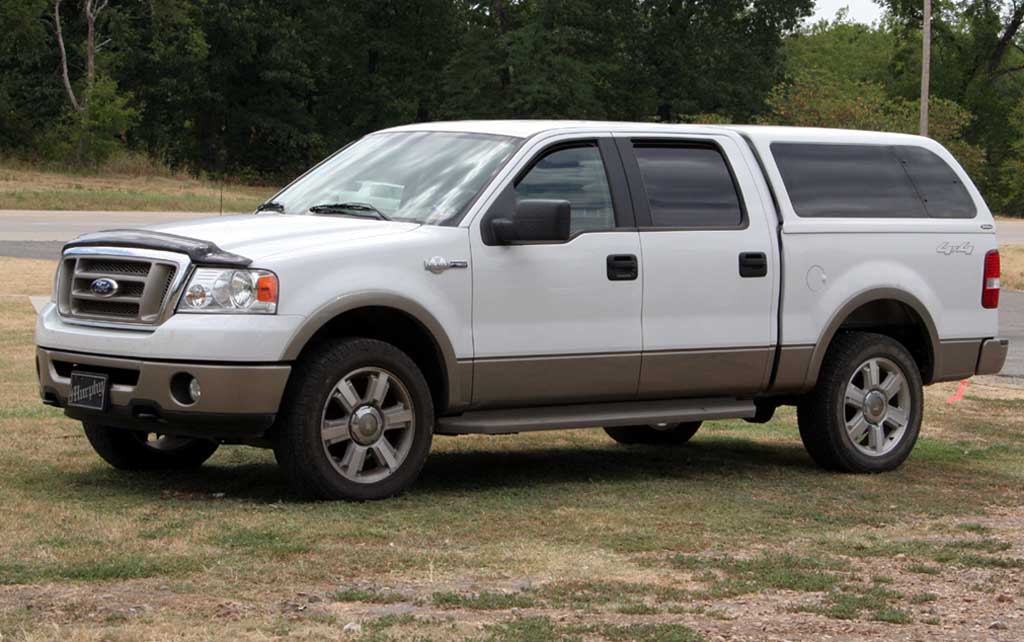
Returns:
<point x="870" y="181"/>
<point x="942" y="193"/>
<point x="688" y="186"/>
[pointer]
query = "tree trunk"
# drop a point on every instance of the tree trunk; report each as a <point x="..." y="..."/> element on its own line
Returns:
<point x="500" y="12"/>
<point x="64" y="57"/>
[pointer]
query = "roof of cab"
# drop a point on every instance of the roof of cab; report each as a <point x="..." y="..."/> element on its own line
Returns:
<point x="530" y="128"/>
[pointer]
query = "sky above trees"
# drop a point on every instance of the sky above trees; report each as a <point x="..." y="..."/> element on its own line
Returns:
<point x="865" y="11"/>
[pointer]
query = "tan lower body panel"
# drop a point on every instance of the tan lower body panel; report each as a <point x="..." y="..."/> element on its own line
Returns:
<point x="957" y="359"/>
<point x="690" y="373"/>
<point x="544" y="380"/>
<point x="791" y="373"/>
<point x="530" y="381"/>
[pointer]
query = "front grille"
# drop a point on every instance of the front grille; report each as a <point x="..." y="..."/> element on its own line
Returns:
<point x="141" y="296"/>
<point x="90" y="308"/>
<point x="104" y="266"/>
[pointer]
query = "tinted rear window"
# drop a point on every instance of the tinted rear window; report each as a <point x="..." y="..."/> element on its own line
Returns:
<point x="688" y="186"/>
<point x="943" y="194"/>
<point x="870" y="181"/>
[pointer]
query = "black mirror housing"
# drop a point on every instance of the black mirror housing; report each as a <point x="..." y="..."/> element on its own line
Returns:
<point x="535" y="221"/>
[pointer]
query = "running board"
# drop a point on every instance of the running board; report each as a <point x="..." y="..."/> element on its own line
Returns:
<point x="627" y="413"/>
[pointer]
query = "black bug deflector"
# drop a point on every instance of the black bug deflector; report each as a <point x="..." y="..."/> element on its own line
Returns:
<point x="201" y="252"/>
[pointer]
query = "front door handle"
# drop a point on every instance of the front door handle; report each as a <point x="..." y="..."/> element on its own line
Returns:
<point x="623" y="267"/>
<point x="753" y="264"/>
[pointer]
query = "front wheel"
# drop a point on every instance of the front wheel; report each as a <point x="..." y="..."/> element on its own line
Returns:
<point x="357" y="423"/>
<point x="129" y="450"/>
<point x="666" y="434"/>
<point x="865" y="413"/>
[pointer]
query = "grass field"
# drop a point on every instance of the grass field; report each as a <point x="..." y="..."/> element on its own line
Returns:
<point x="531" y="538"/>
<point x="1011" y="259"/>
<point x="121" y="188"/>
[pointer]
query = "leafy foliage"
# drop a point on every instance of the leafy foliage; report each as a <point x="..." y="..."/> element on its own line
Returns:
<point x="263" y="89"/>
<point x="95" y="134"/>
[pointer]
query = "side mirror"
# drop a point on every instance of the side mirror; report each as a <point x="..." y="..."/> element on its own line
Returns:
<point x="535" y="220"/>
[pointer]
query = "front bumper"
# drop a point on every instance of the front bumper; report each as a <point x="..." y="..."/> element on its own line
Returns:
<point x="237" y="401"/>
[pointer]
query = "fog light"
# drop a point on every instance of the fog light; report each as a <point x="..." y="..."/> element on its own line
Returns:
<point x="185" y="389"/>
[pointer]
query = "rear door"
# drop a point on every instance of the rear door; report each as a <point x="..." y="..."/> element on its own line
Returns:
<point x="560" y="322"/>
<point x="709" y="262"/>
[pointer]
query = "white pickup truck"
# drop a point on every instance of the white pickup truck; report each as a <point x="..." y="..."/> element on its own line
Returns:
<point x="502" y="277"/>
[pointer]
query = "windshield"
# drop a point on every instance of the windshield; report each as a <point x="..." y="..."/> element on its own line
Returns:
<point x="422" y="177"/>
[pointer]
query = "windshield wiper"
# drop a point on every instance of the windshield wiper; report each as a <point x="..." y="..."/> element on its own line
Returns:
<point x="271" y="206"/>
<point x="351" y="209"/>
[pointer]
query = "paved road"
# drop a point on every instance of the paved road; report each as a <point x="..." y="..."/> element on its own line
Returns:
<point x="1010" y="232"/>
<point x="44" y="225"/>
<point x="1011" y="324"/>
<point x="39" y="234"/>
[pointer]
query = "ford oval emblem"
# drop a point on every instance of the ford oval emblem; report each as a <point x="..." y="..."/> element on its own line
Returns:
<point x="104" y="287"/>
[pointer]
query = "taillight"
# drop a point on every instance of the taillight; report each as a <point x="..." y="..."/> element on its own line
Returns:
<point x="990" y="284"/>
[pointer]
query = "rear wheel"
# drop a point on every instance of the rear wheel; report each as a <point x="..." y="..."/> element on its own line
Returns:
<point x="864" y="416"/>
<point x="357" y="423"/>
<point x="130" y="450"/>
<point x="672" y="433"/>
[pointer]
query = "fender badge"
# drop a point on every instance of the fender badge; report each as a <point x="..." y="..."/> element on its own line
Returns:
<point x="960" y="248"/>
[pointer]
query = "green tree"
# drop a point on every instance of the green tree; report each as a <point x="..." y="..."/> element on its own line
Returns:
<point x="93" y="135"/>
<point x="722" y="57"/>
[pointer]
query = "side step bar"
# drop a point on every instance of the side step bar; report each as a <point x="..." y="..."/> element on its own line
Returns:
<point x="627" y="413"/>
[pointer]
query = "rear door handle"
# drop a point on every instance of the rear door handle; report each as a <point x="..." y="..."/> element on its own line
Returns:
<point x="623" y="267"/>
<point x="753" y="264"/>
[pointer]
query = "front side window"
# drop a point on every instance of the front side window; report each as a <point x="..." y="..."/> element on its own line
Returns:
<point x="577" y="175"/>
<point x="688" y="186"/>
<point x="870" y="181"/>
<point x="421" y="177"/>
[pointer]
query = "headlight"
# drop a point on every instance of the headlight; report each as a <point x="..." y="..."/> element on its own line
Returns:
<point x="230" y="291"/>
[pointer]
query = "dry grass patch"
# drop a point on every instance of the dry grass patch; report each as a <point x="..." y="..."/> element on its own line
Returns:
<point x="27" y="188"/>
<point x="26" y="276"/>
<point x="1011" y="260"/>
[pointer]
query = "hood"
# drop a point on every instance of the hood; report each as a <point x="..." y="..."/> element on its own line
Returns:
<point x="260" y="235"/>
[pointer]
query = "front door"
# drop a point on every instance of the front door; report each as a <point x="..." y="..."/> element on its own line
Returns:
<point x="558" y="323"/>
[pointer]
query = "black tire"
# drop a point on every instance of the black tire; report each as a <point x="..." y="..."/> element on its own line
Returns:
<point x="672" y="434"/>
<point x="298" y="441"/>
<point x="823" y="413"/>
<point x="129" y="450"/>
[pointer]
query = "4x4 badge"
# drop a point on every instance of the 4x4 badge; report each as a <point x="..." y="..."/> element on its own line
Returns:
<point x="949" y="249"/>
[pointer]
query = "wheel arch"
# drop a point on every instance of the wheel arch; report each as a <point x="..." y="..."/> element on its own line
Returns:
<point x="401" y="322"/>
<point x="889" y="311"/>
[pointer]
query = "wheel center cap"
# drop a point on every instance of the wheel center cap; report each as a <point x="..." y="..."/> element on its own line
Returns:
<point x="874" y="406"/>
<point x="366" y="425"/>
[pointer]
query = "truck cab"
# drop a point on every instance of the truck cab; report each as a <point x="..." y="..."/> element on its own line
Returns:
<point x="507" y="276"/>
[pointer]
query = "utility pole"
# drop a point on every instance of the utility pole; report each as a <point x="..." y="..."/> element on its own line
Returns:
<point x="926" y="64"/>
